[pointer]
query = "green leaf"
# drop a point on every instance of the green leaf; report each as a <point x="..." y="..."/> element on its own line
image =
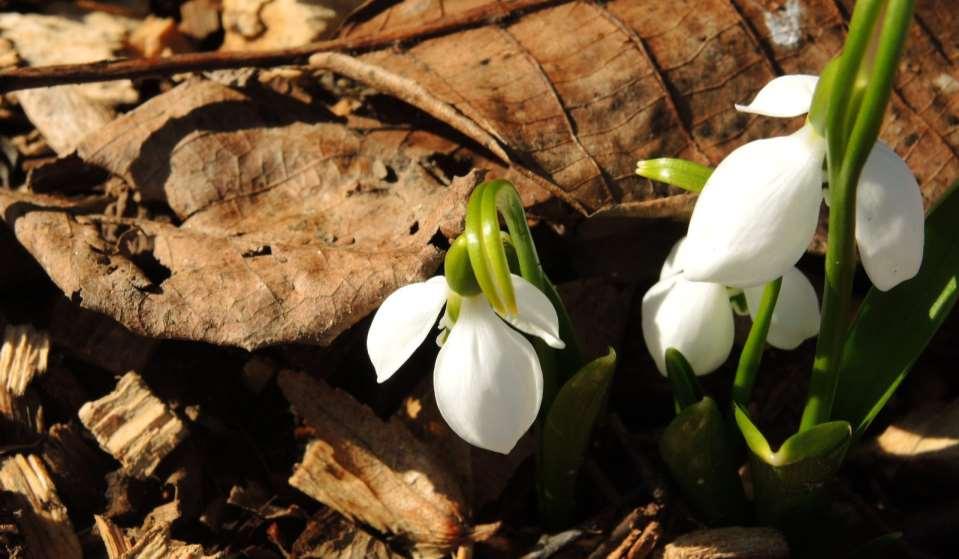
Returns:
<point x="894" y="327"/>
<point x="703" y="459"/>
<point x="789" y="484"/>
<point x="686" y="390"/>
<point x="566" y="433"/>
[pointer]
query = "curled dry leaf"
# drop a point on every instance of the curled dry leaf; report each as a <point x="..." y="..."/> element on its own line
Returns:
<point x="577" y="91"/>
<point x="286" y="235"/>
<point x="373" y="471"/>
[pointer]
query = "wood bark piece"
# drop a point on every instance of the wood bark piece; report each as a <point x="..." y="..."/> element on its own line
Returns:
<point x="43" y="520"/>
<point x="23" y="357"/>
<point x="133" y="426"/>
<point x="286" y="235"/>
<point x="374" y="472"/>
<point x="729" y="543"/>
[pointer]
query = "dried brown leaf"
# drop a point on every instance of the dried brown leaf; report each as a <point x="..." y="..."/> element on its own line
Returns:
<point x="373" y="471"/>
<point x="577" y="91"/>
<point x="286" y="234"/>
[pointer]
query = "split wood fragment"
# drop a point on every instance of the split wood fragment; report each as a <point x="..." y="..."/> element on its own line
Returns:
<point x="43" y="519"/>
<point x="134" y="426"/>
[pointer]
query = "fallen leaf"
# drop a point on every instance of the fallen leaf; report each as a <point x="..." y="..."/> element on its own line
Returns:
<point x="577" y="91"/>
<point x="374" y="471"/>
<point x="285" y="234"/>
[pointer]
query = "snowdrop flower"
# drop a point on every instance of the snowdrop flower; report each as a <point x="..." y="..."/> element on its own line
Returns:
<point x="759" y="210"/>
<point x="697" y="318"/>
<point x="487" y="377"/>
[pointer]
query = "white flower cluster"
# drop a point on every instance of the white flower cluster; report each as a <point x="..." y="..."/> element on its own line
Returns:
<point x="753" y="221"/>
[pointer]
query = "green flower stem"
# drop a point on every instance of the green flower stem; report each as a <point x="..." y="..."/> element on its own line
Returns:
<point x="473" y="231"/>
<point x="752" y="353"/>
<point x="501" y="198"/>
<point x="845" y="161"/>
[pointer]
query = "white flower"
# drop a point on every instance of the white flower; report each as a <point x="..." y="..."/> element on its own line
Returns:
<point x="487" y="377"/>
<point x="697" y="319"/>
<point x="759" y="210"/>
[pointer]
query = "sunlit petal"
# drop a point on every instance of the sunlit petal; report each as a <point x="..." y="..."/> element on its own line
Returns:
<point x="785" y="96"/>
<point x="536" y="315"/>
<point x="673" y="264"/>
<point x="402" y="323"/>
<point x="796" y="316"/>
<point x="758" y="212"/>
<point x="487" y="379"/>
<point x="693" y="317"/>
<point x="889" y="219"/>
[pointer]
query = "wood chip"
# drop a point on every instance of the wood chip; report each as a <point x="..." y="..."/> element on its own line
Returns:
<point x="66" y="114"/>
<point x="155" y="543"/>
<point x="374" y="471"/>
<point x="330" y="536"/>
<point x="23" y="356"/>
<point x="76" y="465"/>
<point x="114" y="539"/>
<point x="274" y="24"/>
<point x="134" y="426"/>
<point x="729" y="543"/>
<point x="157" y="37"/>
<point x="43" y="519"/>
<point x="199" y="18"/>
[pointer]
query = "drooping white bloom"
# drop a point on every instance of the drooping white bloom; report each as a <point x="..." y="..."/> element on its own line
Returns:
<point x="487" y="377"/>
<point x="759" y="210"/>
<point x="696" y="318"/>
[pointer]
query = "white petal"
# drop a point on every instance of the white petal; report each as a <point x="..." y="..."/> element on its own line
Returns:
<point x="889" y="219"/>
<point x="402" y="323"/>
<point x="487" y="379"/>
<point x="674" y="263"/>
<point x="693" y="317"/>
<point x="536" y="315"/>
<point x="758" y="211"/>
<point x="796" y="316"/>
<point x="785" y="96"/>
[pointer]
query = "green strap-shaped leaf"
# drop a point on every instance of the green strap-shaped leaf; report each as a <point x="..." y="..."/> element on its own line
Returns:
<point x="703" y="459"/>
<point x="566" y="433"/>
<point x="894" y="327"/>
